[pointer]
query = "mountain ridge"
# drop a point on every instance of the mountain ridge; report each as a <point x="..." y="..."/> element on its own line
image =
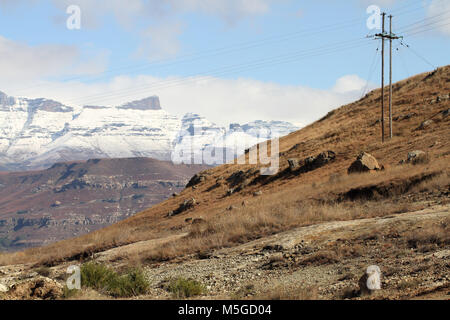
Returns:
<point x="35" y="133"/>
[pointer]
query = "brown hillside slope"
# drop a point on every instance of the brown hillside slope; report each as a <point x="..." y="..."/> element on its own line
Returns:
<point x="294" y="199"/>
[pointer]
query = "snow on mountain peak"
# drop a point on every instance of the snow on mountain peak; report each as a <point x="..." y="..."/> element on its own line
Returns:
<point x="35" y="133"/>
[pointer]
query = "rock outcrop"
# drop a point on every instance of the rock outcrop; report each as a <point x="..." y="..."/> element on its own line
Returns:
<point x="365" y="162"/>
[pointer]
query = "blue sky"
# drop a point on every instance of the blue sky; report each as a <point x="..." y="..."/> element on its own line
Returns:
<point x="229" y="60"/>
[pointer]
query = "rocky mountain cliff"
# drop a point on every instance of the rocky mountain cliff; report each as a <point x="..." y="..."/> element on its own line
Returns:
<point x="35" y="133"/>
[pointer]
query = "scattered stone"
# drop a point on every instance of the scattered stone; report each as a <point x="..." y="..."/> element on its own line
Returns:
<point x="275" y="247"/>
<point x="239" y="177"/>
<point x="196" y="179"/>
<point x="257" y="193"/>
<point x="442" y="98"/>
<point x="174" y="194"/>
<point x="365" y="162"/>
<point x="426" y="124"/>
<point x="220" y="180"/>
<point x="56" y="204"/>
<point x="3" y="288"/>
<point x="323" y="158"/>
<point x="186" y="205"/>
<point x="312" y="163"/>
<point x="231" y="208"/>
<point x="198" y="221"/>
<point x="230" y="192"/>
<point x="405" y="117"/>
<point x="294" y="164"/>
<point x="417" y="156"/>
<point x="188" y="220"/>
<point x="370" y="281"/>
<point x="445" y="113"/>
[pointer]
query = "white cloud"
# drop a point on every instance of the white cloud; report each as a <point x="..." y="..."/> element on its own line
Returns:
<point x="381" y="3"/>
<point x="439" y="15"/>
<point x="348" y="84"/>
<point x="229" y="10"/>
<point x="21" y="62"/>
<point x="160" y="41"/>
<point x="160" y="16"/>
<point x="220" y="100"/>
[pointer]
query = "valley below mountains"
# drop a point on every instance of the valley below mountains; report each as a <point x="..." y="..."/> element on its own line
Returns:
<point x="74" y="198"/>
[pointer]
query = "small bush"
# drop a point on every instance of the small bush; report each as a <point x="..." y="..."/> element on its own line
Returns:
<point x="130" y="284"/>
<point x="185" y="288"/>
<point x="102" y="278"/>
<point x="96" y="276"/>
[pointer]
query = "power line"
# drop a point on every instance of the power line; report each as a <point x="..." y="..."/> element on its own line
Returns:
<point x="330" y="48"/>
<point x="196" y="78"/>
<point x="372" y="68"/>
<point x="223" y="50"/>
<point x="418" y="55"/>
<point x="426" y="30"/>
<point x="415" y="24"/>
<point x="217" y="52"/>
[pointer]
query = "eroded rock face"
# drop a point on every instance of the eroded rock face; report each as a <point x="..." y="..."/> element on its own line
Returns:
<point x="40" y="288"/>
<point x="365" y="162"/>
<point x="186" y="205"/>
<point x="196" y="179"/>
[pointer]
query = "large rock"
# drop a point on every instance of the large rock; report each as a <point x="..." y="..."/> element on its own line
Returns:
<point x="3" y="288"/>
<point x="196" y="179"/>
<point x="294" y="164"/>
<point x="186" y="205"/>
<point x="365" y="162"/>
<point x="425" y="125"/>
<point x="417" y="156"/>
<point x="312" y="163"/>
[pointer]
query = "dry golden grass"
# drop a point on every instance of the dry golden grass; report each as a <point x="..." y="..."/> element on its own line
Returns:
<point x="291" y="201"/>
<point x="281" y="212"/>
<point x="261" y="216"/>
<point x="281" y="292"/>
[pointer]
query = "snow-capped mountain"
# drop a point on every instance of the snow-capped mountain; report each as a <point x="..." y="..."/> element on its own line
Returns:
<point x="35" y="133"/>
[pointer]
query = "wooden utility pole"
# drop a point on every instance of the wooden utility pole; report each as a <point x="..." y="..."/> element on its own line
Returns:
<point x="382" y="77"/>
<point x="390" y="76"/>
<point x="383" y="35"/>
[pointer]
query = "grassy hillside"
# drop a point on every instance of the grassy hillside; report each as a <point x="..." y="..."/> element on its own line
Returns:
<point x="269" y="204"/>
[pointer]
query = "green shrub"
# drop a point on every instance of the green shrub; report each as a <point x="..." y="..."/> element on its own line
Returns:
<point x="96" y="276"/>
<point x="133" y="283"/>
<point x="185" y="288"/>
<point x="104" y="279"/>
